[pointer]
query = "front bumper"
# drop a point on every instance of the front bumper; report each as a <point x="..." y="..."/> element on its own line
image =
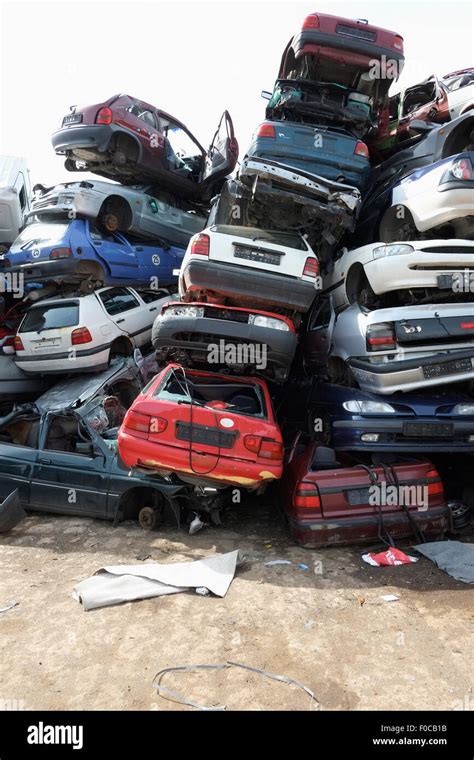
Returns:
<point x="203" y="331"/>
<point x="223" y="470"/>
<point x="408" y="374"/>
<point x="346" y="435"/>
<point x="315" y="534"/>
<point x="246" y="285"/>
<point x="95" y="136"/>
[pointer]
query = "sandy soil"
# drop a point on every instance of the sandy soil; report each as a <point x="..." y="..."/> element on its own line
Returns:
<point x="326" y="626"/>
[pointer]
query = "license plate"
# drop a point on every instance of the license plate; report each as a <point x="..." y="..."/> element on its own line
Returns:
<point x="428" y="429"/>
<point x="447" y="368"/>
<point x="48" y="343"/>
<point x="358" y="496"/>
<point x="72" y="118"/>
<point x="361" y="34"/>
<point x="210" y="436"/>
<point x="259" y="256"/>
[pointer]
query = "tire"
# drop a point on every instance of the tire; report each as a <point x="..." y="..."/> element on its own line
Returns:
<point x="149" y="518"/>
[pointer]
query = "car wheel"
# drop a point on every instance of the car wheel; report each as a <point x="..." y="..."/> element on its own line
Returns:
<point x="71" y="166"/>
<point x="119" y="157"/>
<point x="87" y="286"/>
<point x="394" y="229"/>
<point x="149" y="518"/>
<point x="111" y="222"/>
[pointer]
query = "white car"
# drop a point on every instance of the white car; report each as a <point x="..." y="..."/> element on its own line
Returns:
<point x="83" y="333"/>
<point x="250" y="266"/>
<point x="422" y="270"/>
<point x="438" y="198"/>
<point x="135" y="210"/>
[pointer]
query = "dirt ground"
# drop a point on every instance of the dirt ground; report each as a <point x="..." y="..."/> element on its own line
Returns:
<point x="326" y="626"/>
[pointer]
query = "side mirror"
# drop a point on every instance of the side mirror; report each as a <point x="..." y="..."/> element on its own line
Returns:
<point x="266" y="95"/>
<point x="421" y="126"/>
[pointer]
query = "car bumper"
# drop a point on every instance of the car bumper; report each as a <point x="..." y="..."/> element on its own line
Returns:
<point x="346" y="435"/>
<point x="280" y="345"/>
<point x="318" y="42"/>
<point x="41" y="271"/>
<point x="408" y="374"/>
<point x="96" y="136"/>
<point x="416" y="270"/>
<point x="222" y="470"/>
<point x="315" y="534"/>
<point x="433" y="208"/>
<point x="246" y="285"/>
<point x="85" y="360"/>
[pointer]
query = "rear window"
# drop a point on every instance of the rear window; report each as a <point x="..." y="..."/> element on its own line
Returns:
<point x="239" y="398"/>
<point x="268" y="236"/>
<point x="50" y="317"/>
<point x="41" y="233"/>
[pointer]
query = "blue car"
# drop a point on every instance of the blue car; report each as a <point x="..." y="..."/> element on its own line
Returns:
<point x="333" y="154"/>
<point x="354" y="420"/>
<point x="79" y="252"/>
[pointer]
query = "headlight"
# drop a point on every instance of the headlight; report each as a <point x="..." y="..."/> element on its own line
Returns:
<point x="464" y="409"/>
<point x="368" y="407"/>
<point x="183" y="311"/>
<point x="260" y="321"/>
<point x="392" y="250"/>
<point x="65" y="199"/>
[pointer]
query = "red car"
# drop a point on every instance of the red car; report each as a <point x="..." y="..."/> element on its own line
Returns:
<point x="210" y="429"/>
<point x="128" y="140"/>
<point x="330" y="502"/>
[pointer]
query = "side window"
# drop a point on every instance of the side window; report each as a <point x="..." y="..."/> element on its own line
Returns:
<point x="321" y="315"/>
<point x="143" y="114"/>
<point x="67" y="435"/>
<point x="118" y="300"/>
<point x="152" y="295"/>
<point x="181" y="142"/>
<point x="21" y="432"/>
<point x="21" y="189"/>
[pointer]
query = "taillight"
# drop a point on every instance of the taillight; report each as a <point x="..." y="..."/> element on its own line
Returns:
<point x="144" y="424"/>
<point x="80" y="335"/>
<point x="60" y="253"/>
<point x="436" y="486"/>
<point x="462" y="169"/>
<point x="398" y="43"/>
<point x="104" y="116"/>
<point x="311" y="22"/>
<point x="200" y="245"/>
<point x="311" y="267"/>
<point x="18" y="344"/>
<point x="467" y="325"/>
<point x="380" y="336"/>
<point x="266" y="130"/>
<point x="267" y="448"/>
<point x="157" y="425"/>
<point x="307" y="495"/>
<point x="361" y="149"/>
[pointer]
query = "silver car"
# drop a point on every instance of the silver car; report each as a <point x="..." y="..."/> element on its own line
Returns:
<point x="121" y="208"/>
<point x="397" y="349"/>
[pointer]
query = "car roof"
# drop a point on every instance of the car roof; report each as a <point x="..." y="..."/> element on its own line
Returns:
<point x="76" y="391"/>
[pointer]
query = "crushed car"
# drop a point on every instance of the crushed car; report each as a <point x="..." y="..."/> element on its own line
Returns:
<point x="139" y="210"/>
<point x="126" y="139"/>
<point x="333" y="498"/>
<point x="238" y="339"/>
<point x="60" y="453"/>
<point x="78" y="252"/>
<point x="401" y="348"/>
<point x="207" y="428"/>
<point x="250" y="266"/>
<point x="356" y="420"/>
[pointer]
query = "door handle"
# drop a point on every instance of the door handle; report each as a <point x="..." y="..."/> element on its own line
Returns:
<point x="44" y="461"/>
<point x="139" y="249"/>
<point x="153" y="308"/>
<point x="120" y="320"/>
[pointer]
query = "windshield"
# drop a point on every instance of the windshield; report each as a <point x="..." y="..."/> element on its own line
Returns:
<point x="278" y="238"/>
<point x="41" y="233"/>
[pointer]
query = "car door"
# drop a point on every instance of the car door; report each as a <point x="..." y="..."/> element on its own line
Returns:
<point x="317" y="340"/>
<point x="119" y="256"/>
<point x="19" y="436"/>
<point x="223" y="152"/>
<point x="125" y="307"/>
<point x="143" y="122"/>
<point x="70" y="475"/>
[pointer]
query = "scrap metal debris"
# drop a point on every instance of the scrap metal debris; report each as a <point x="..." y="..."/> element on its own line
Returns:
<point x="9" y="606"/>
<point x="175" y="696"/>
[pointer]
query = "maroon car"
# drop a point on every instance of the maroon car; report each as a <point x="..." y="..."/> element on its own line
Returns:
<point x="329" y="502"/>
<point x="128" y="140"/>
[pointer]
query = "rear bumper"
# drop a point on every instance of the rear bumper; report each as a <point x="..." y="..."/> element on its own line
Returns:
<point x="317" y="42"/>
<point x="314" y="534"/>
<point x="85" y="360"/>
<point x="41" y="271"/>
<point x="245" y="285"/>
<point x="223" y="470"/>
<point x="96" y="136"/>
<point x="417" y="270"/>
<point x="408" y="374"/>
<point x="346" y="435"/>
<point x="280" y="345"/>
